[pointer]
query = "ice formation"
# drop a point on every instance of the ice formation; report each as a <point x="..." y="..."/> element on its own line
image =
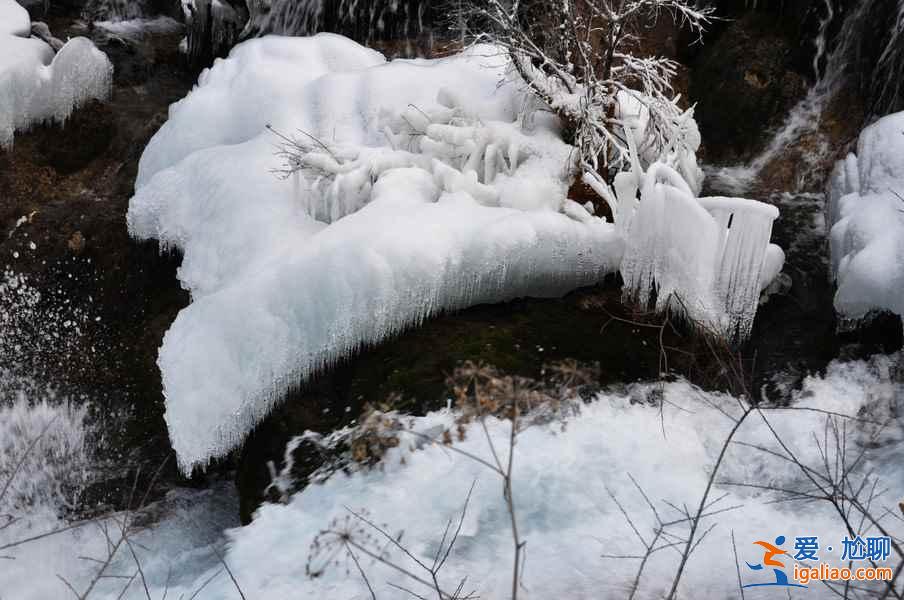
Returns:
<point x="412" y="187"/>
<point x="866" y="215"/>
<point x="707" y="259"/>
<point x="390" y="19"/>
<point x="35" y="84"/>
<point x="432" y="196"/>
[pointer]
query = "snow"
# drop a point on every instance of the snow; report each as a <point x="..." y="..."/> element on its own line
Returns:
<point x="391" y="225"/>
<point x="562" y="478"/>
<point x="14" y="19"/>
<point x="866" y="214"/>
<point x="55" y="469"/>
<point x="35" y="84"/>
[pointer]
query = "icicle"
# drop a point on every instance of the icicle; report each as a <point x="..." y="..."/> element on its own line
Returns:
<point x="745" y="229"/>
<point x="702" y="258"/>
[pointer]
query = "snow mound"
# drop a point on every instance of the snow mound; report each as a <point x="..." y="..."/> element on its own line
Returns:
<point x="866" y="214"/>
<point x="14" y="19"/>
<point x="35" y="85"/>
<point x="430" y="192"/>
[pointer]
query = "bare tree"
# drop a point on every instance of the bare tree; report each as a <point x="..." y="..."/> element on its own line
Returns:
<point x="583" y="58"/>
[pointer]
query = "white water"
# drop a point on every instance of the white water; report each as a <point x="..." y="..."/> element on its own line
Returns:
<point x="361" y="20"/>
<point x="805" y="117"/>
<point x="118" y="10"/>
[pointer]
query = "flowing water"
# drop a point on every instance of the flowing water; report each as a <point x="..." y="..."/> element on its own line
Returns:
<point x="404" y="20"/>
<point x="837" y="63"/>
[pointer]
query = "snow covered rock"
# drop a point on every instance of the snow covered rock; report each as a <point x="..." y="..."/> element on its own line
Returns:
<point x="35" y="84"/>
<point x="866" y="214"/>
<point x="429" y="193"/>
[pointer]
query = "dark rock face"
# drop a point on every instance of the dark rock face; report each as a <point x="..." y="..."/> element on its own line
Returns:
<point x="212" y="33"/>
<point x="86" y="135"/>
<point x="877" y="54"/>
<point x="744" y="82"/>
<point x="321" y="406"/>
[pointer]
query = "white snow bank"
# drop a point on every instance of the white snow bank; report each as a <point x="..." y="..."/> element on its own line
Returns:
<point x="35" y="85"/>
<point x="14" y="19"/>
<point x="562" y="479"/>
<point x="866" y="214"/>
<point x="431" y="196"/>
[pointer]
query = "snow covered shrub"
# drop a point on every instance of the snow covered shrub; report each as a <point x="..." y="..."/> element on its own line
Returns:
<point x="462" y="154"/>
<point x="706" y="259"/>
<point x="583" y="59"/>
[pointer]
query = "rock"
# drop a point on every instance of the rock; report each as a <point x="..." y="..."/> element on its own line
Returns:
<point x="84" y="137"/>
<point x="35" y="8"/>
<point x="41" y="31"/>
<point x="76" y="243"/>
<point x="744" y="83"/>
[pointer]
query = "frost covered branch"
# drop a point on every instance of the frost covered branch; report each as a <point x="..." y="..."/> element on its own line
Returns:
<point x="838" y="479"/>
<point x="461" y="153"/>
<point x="354" y="533"/>
<point x="585" y="61"/>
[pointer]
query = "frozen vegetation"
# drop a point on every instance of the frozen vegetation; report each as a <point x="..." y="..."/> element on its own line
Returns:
<point x="324" y="208"/>
<point x="37" y="85"/>
<point x="572" y="478"/>
<point x="866" y="215"/>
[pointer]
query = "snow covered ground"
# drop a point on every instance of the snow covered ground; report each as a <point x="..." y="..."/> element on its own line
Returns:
<point x="866" y="214"/>
<point x="408" y="188"/>
<point x="35" y="84"/>
<point x="568" y="480"/>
